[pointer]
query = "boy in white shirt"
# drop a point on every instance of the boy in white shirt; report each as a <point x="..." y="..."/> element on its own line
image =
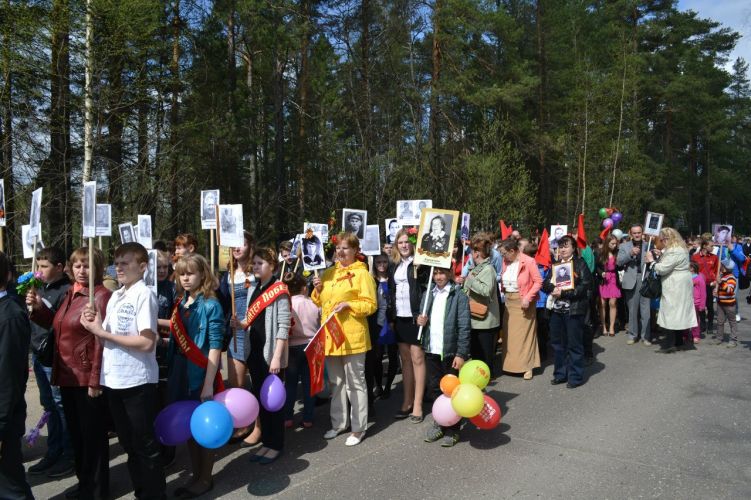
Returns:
<point x="129" y="369"/>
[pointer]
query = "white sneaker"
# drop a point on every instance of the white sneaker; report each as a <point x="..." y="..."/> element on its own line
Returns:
<point x="737" y="318"/>
<point x="646" y="342"/>
<point x="353" y="440"/>
<point x="332" y="433"/>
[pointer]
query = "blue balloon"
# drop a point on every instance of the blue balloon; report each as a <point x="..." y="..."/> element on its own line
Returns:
<point x="172" y="425"/>
<point x="211" y="425"/>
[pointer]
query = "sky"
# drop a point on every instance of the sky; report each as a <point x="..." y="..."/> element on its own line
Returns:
<point x="735" y="14"/>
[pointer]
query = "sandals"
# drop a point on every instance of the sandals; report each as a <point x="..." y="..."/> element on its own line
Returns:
<point x="402" y="414"/>
<point x="416" y="419"/>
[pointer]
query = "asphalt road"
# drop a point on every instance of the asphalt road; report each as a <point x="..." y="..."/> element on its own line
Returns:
<point x="644" y="425"/>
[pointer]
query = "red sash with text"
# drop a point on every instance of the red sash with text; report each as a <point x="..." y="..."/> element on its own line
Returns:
<point x="263" y="301"/>
<point x="189" y="348"/>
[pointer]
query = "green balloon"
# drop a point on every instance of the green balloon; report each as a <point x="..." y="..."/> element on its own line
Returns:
<point x="475" y="372"/>
<point x="467" y="400"/>
<point x="603" y="213"/>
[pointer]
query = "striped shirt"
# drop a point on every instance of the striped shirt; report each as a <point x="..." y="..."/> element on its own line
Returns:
<point x="726" y="290"/>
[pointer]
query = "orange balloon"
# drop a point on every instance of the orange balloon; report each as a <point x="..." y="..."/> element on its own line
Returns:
<point x="448" y="384"/>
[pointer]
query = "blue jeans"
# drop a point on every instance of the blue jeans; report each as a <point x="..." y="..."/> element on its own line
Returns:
<point x="58" y="440"/>
<point x="297" y="369"/>
<point x="566" y="332"/>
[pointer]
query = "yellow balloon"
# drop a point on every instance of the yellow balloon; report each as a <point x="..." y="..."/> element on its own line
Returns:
<point x="475" y="372"/>
<point x="467" y="400"/>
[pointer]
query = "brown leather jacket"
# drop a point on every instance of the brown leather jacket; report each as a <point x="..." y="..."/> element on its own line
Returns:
<point x="78" y="353"/>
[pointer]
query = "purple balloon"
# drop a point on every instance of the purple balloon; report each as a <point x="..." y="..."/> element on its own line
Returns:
<point x="242" y="405"/>
<point x="617" y="216"/>
<point x="608" y="222"/>
<point x="172" y="425"/>
<point x="273" y="394"/>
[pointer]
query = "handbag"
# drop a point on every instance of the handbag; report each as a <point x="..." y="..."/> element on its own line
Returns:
<point x="651" y="287"/>
<point x="386" y="335"/>
<point x="46" y="349"/>
<point x="477" y="310"/>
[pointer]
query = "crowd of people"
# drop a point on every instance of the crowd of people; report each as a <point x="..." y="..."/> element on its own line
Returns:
<point x="130" y="351"/>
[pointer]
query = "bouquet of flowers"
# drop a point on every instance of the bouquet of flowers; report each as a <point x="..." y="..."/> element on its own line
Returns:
<point x="412" y="232"/>
<point x="330" y="245"/>
<point x="28" y="281"/>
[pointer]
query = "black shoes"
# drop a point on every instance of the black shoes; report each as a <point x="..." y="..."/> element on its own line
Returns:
<point x="558" y="381"/>
<point x="573" y="386"/>
<point x="42" y="466"/>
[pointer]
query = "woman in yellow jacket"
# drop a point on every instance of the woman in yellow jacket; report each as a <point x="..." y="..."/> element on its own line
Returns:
<point x="348" y="290"/>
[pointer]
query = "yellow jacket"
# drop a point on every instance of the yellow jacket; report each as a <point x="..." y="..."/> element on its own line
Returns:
<point x="352" y="284"/>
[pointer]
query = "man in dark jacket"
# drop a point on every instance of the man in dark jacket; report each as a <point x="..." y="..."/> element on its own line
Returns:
<point x="58" y="461"/>
<point x="15" y="333"/>
<point x="567" y="317"/>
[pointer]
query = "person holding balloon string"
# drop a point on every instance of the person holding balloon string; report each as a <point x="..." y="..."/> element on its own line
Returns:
<point x="445" y="340"/>
<point x="267" y="320"/>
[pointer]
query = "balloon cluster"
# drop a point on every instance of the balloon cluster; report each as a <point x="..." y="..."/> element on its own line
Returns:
<point x="210" y="423"/>
<point x="462" y="397"/>
<point x="610" y="218"/>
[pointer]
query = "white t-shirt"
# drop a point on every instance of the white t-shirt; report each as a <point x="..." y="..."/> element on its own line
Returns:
<point x="403" y="304"/>
<point x="511" y="277"/>
<point x="129" y="312"/>
<point x="437" y="317"/>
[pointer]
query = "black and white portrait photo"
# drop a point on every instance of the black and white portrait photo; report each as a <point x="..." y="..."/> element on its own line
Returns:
<point x="209" y="201"/>
<point x="392" y="227"/>
<point x="405" y="212"/>
<point x="2" y="202"/>
<point x="557" y="231"/>
<point x="422" y="205"/>
<point x="355" y="221"/>
<point x="126" y="233"/>
<point x="312" y="251"/>
<point x="103" y="219"/>
<point x="653" y="224"/>
<point x="35" y="214"/>
<point x="144" y="230"/>
<point x="28" y="242"/>
<point x="149" y="276"/>
<point x="231" y="225"/>
<point x="436" y="237"/>
<point x="322" y="230"/>
<point x="371" y="245"/>
<point x="563" y="275"/>
<point x="465" y="227"/>
<point x="89" y="209"/>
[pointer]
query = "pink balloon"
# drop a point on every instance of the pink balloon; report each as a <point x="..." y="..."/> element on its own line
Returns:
<point x="608" y="222"/>
<point x="241" y="404"/>
<point x="443" y="412"/>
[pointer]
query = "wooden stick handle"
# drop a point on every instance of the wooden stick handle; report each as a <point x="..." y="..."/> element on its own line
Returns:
<point x="91" y="272"/>
<point x="425" y="305"/>
<point x="212" y="233"/>
<point x="231" y="291"/>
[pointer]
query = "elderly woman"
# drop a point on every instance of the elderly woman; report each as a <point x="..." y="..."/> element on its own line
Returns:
<point x="482" y="288"/>
<point x="520" y="282"/>
<point x="437" y="240"/>
<point x="348" y="290"/>
<point x="677" y="300"/>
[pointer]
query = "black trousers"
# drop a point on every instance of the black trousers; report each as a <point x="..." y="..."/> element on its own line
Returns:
<point x="272" y="424"/>
<point x="482" y="345"/>
<point x="134" y="411"/>
<point x="436" y="369"/>
<point x="87" y="425"/>
<point x="709" y="324"/>
<point x="13" y="483"/>
<point x="543" y="332"/>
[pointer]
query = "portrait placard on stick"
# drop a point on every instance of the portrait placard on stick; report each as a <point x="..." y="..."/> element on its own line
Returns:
<point x="89" y="209"/>
<point x="722" y="234"/>
<point x="149" y="276"/>
<point x="209" y="201"/>
<point x="312" y="250"/>
<point x="391" y="227"/>
<point x="35" y="214"/>
<point x="436" y="236"/>
<point x="563" y="275"/>
<point x="126" y="232"/>
<point x="354" y="221"/>
<point x="557" y="231"/>
<point x="28" y="242"/>
<point x="322" y="230"/>
<point x="408" y="212"/>
<point x="653" y="224"/>
<point x="231" y="226"/>
<point x="371" y="245"/>
<point x="144" y="230"/>
<point x="103" y="219"/>
<point x="2" y="202"/>
<point x="465" y="226"/>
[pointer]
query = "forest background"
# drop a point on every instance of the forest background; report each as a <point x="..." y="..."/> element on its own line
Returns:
<point x="526" y="110"/>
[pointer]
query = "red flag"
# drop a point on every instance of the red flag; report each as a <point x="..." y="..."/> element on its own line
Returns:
<point x="335" y="330"/>
<point x="542" y="256"/>
<point x="581" y="234"/>
<point x="604" y="233"/>
<point x="505" y="230"/>
<point x="316" y="356"/>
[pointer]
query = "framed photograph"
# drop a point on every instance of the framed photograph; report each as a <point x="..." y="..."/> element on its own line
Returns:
<point x="231" y="226"/>
<point x="149" y="276"/>
<point x="209" y="201"/>
<point x="145" y="230"/>
<point x="322" y="230"/>
<point x="311" y="245"/>
<point x="35" y="214"/>
<point x="103" y="219"/>
<point x="563" y="275"/>
<point x="354" y="221"/>
<point x="2" y="202"/>
<point x="28" y="242"/>
<point x="465" y="226"/>
<point x="722" y="234"/>
<point x="391" y="227"/>
<point x="371" y="245"/>
<point x="296" y="248"/>
<point x="435" y="238"/>
<point x="127" y="235"/>
<point x="653" y="224"/>
<point x="89" y="209"/>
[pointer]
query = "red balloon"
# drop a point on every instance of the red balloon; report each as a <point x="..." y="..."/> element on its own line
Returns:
<point x="609" y="211"/>
<point x="490" y="415"/>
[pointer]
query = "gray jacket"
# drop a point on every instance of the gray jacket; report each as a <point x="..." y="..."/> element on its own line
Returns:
<point x="632" y="265"/>
<point x="278" y="318"/>
<point x="456" y="323"/>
